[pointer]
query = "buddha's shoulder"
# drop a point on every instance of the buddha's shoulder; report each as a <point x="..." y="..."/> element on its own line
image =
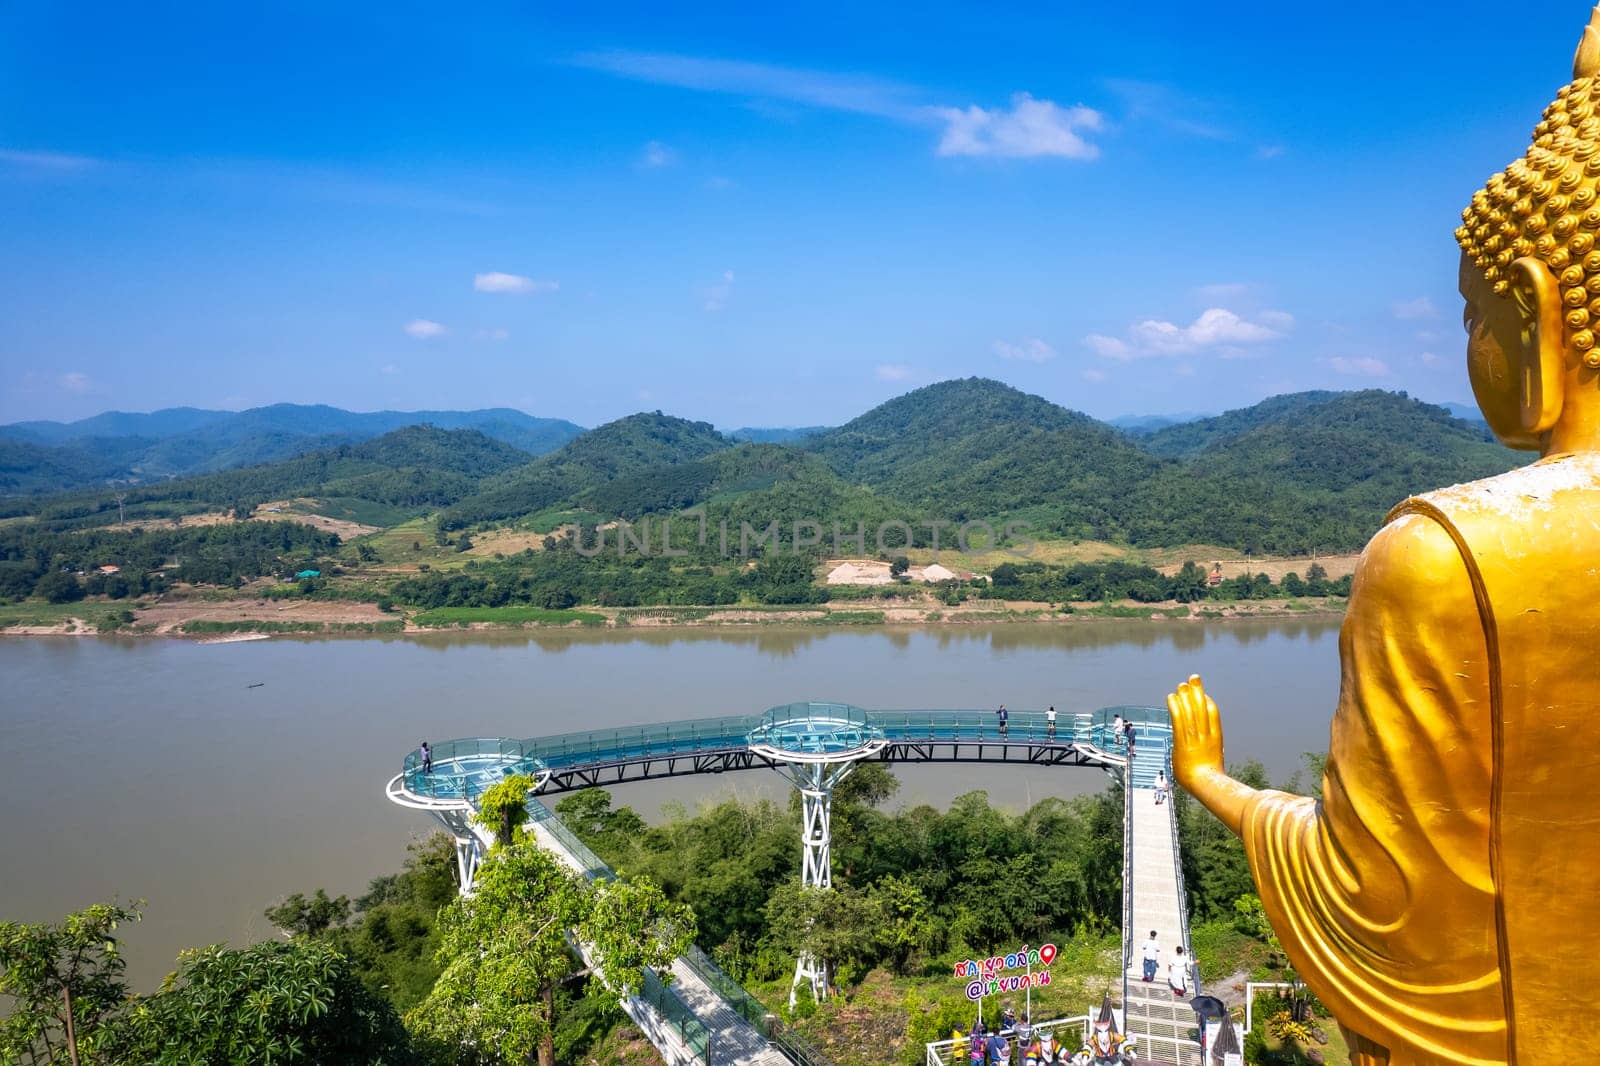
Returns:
<point x="1412" y="540"/>
<point x="1517" y="495"/>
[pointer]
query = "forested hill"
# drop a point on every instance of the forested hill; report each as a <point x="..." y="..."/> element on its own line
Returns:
<point x="627" y="446"/>
<point x="134" y="448"/>
<point x="1186" y="438"/>
<point x="409" y="471"/>
<point x="978" y="448"/>
<point x="1307" y="472"/>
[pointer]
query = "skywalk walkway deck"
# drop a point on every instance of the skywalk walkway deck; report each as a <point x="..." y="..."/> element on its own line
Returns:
<point x="1155" y="900"/>
<point x="703" y="1015"/>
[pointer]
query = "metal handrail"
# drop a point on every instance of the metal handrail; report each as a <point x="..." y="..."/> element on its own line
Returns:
<point x="935" y="1050"/>
<point x="1183" y="888"/>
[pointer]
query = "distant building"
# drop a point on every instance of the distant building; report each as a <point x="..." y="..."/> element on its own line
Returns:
<point x="110" y="570"/>
<point x="1214" y="578"/>
<point x="860" y="573"/>
<point x="302" y="575"/>
<point x="933" y="572"/>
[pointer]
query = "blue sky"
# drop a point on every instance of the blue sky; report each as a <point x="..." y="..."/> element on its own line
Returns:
<point x="741" y="216"/>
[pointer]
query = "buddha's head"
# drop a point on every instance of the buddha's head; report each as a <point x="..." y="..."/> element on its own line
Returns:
<point x="1530" y="266"/>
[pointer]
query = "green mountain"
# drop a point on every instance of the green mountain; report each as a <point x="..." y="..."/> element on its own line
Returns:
<point x="154" y="425"/>
<point x="981" y="449"/>
<point x="408" y="471"/>
<point x="184" y="440"/>
<point x="1313" y="471"/>
<point x="1184" y="439"/>
<point x="775" y="435"/>
<point x="629" y="446"/>
<point x="1298" y="473"/>
<point x="27" y="468"/>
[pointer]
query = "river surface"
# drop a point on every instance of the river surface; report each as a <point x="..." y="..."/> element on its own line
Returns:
<point x="151" y="769"/>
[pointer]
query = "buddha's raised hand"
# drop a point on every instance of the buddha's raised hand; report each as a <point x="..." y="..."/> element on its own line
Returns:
<point x="1196" y="737"/>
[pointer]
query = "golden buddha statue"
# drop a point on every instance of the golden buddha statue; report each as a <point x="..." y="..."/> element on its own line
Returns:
<point x="1442" y="898"/>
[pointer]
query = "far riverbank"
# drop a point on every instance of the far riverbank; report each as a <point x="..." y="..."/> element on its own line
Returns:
<point x="207" y="618"/>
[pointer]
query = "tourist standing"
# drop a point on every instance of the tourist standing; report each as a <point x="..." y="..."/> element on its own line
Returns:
<point x="1050" y="723"/>
<point x="1152" y="956"/>
<point x="999" y="1051"/>
<point x="1178" y="973"/>
<point x="427" y="758"/>
<point x="1119" y="730"/>
<point x="1004" y="716"/>
<point x="1161" y="787"/>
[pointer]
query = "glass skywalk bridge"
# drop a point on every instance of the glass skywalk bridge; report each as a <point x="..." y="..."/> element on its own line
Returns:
<point x="816" y="745"/>
<point x="795" y="732"/>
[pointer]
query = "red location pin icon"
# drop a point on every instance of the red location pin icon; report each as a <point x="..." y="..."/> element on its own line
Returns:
<point x="1047" y="954"/>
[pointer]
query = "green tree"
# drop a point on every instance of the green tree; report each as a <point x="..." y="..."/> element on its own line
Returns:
<point x="502" y="950"/>
<point x="294" y="1002"/>
<point x="907" y="927"/>
<point x="899" y="566"/>
<point x="633" y="927"/>
<point x="504" y="807"/>
<point x="58" y="586"/>
<point x="61" y="981"/>
<point x="300" y="916"/>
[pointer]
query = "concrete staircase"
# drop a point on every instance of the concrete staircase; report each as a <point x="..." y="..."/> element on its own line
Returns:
<point x="1166" y="1027"/>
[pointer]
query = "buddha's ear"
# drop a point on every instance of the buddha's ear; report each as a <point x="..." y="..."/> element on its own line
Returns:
<point x="1540" y="370"/>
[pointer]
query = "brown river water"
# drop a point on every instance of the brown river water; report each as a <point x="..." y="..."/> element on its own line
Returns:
<point x="151" y="769"/>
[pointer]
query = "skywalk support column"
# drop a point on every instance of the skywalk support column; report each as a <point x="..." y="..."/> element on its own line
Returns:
<point x="816" y="745"/>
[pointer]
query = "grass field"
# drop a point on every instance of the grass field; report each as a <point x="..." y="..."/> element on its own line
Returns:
<point x="93" y="614"/>
<point x="504" y="616"/>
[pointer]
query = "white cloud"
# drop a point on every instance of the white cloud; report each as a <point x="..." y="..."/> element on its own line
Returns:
<point x="423" y="329"/>
<point x="1429" y="359"/>
<point x="58" y="161"/>
<point x="1108" y="347"/>
<point x="657" y="154"/>
<point x="76" y="381"/>
<point x="717" y="295"/>
<point x="1094" y="374"/>
<point x="1359" y="366"/>
<point x="832" y="92"/>
<point x="494" y="281"/>
<point x="893" y="372"/>
<point x="1217" y="328"/>
<point x="1226" y="290"/>
<point x="1031" y="350"/>
<point x="1031" y="128"/>
<point x="492" y="334"/>
<point x="1413" y="310"/>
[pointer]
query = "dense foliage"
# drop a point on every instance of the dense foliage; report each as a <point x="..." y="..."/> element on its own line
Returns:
<point x="294" y="1002"/>
<point x="909" y="886"/>
<point x="35" y="560"/>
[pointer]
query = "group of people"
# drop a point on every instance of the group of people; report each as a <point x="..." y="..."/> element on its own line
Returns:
<point x="994" y="1047"/>
<point x="1003" y="716"/>
<point x="1177" y="967"/>
<point x="1124" y="734"/>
